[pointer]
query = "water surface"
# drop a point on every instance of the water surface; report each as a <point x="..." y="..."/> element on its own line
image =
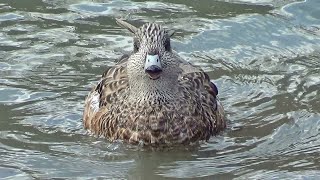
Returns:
<point x="264" y="57"/>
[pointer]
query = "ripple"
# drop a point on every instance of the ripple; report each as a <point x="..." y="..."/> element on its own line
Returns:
<point x="305" y="13"/>
<point x="12" y="173"/>
<point x="10" y="17"/>
<point x="41" y="165"/>
<point x="112" y="8"/>
<point x="13" y="95"/>
<point x="240" y="42"/>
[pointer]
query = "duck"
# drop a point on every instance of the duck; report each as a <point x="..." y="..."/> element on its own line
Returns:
<point x="152" y="96"/>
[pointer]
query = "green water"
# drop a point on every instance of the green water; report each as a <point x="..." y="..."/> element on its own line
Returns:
<point x="264" y="57"/>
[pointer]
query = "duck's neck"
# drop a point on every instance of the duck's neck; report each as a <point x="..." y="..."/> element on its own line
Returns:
<point x="153" y="92"/>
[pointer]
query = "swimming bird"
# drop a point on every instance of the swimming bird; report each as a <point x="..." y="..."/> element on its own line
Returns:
<point x="153" y="96"/>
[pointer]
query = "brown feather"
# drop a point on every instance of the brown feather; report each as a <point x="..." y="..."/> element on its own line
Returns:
<point x="194" y="114"/>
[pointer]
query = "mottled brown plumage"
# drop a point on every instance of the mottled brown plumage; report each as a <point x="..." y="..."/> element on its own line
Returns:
<point x="153" y="96"/>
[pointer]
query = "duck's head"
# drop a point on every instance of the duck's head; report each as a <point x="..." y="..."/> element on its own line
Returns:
<point x="152" y="65"/>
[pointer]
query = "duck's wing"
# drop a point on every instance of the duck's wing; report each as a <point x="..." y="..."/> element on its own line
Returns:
<point x="196" y="75"/>
<point x="113" y="81"/>
<point x="198" y="82"/>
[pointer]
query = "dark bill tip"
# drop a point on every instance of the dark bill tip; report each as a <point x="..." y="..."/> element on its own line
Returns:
<point x="153" y="69"/>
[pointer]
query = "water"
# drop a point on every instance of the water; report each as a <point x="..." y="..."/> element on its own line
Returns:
<point x="263" y="55"/>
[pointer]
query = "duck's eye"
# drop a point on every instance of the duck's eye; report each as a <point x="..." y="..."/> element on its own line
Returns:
<point x="167" y="45"/>
<point x="136" y="45"/>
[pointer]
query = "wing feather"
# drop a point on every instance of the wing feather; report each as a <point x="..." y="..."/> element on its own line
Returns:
<point x="113" y="81"/>
<point x="199" y="81"/>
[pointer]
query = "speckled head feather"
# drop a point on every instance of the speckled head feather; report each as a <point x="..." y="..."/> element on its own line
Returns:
<point x="153" y="96"/>
<point x="152" y="40"/>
